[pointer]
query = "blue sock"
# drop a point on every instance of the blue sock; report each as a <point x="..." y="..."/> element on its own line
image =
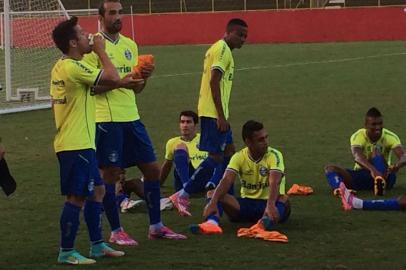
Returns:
<point x="181" y="160"/>
<point x="92" y="214"/>
<point x="388" y="204"/>
<point x="110" y="207"/>
<point x="379" y="163"/>
<point x="333" y="179"/>
<point x="120" y="197"/>
<point x="69" y="224"/>
<point x="268" y="223"/>
<point x="218" y="173"/>
<point x="152" y="197"/>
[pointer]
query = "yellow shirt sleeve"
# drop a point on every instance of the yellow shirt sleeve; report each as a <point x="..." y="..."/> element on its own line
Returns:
<point x="84" y="73"/>
<point x="357" y="139"/>
<point x="392" y="140"/>
<point x="276" y="163"/>
<point x="235" y="163"/>
<point x="220" y="58"/>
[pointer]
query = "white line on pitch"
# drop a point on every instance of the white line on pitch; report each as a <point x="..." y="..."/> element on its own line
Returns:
<point x="294" y="64"/>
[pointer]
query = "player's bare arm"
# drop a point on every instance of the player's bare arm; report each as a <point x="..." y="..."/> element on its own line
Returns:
<point x="165" y="170"/>
<point x="219" y="192"/>
<point x="361" y="159"/>
<point x="222" y="123"/>
<point x="274" y="180"/>
<point x="400" y="153"/>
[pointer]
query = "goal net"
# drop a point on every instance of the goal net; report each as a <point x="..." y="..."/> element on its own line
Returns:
<point x="28" y="52"/>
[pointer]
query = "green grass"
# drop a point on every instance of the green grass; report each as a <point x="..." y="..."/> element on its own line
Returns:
<point x="309" y="105"/>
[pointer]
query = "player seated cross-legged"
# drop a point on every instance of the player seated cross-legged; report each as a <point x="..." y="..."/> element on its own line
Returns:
<point x="371" y="147"/>
<point x="261" y="171"/>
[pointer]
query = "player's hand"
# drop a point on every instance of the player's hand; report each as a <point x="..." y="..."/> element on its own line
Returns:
<point x="98" y="44"/>
<point x="392" y="169"/>
<point x="375" y="173"/>
<point x="129" y="82"/>
<point x="222" y="124"/>
<point x="146" y="71"/>
<point x="210" y="208"/>
<point x="272" y="212"/>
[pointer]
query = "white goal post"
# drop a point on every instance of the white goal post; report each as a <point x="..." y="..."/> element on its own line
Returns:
<point x="28" y="52"/>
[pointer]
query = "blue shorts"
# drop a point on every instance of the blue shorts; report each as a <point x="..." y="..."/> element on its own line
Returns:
<point x="211" y="139"/>
<point x="362" y="180"/>
<point x="123" y="144"/>
<point x="78" y="172"/>
<point x="251" y="210"/>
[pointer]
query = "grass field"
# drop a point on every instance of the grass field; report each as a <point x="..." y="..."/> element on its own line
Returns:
<point x="311" y="98"/>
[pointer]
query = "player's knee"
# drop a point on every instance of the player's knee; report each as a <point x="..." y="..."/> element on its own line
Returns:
<point x="181" y="146"/>
<point x="329" y="168"/>
<point x="402" y="202"/>
<point x="76" y="200"/>
<point x="217" y="157"/>
<point x="98" y="194"/>
<point x="111" y="175"/>
<point x="209" y="194"/>
<point x="151" y="171"/>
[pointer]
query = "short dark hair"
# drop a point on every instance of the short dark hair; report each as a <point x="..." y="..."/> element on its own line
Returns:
<point x="65" y="32"/>
<point x="373" y="112"/>
<point x="102" y="10"/>
<point x="190" y="114"/>
<point x="234" y="22"/>
<point x="249" y="128"/>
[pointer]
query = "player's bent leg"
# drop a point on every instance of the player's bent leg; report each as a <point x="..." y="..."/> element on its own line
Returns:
<point x="335" y="175"/>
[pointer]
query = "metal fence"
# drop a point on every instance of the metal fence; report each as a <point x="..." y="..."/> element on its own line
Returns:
<point x="164" y="6"/>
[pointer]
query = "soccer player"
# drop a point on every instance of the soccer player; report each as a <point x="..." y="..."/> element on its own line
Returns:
<point x="122" y="140"/>
<point x="215" y="90"/>
<point x="72" y="91"/>
<point x="7" y="182"/>
<point x="350" y="201"/>
<point x="183" y="152"/>
<point x="372" y="148"/>
<point x="261" y="172"/>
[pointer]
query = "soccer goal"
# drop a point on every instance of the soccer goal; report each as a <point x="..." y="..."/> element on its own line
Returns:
<point x="28" y="53"/>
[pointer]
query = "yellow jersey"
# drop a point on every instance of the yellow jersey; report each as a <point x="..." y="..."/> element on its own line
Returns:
<point x="385" y="144"/>
<point x="254" y="175"/>
<point x="118" y="105"/>
<point x="74" y="104"/>
<point x="219" y="57"/>
<point x="195" y="155"/>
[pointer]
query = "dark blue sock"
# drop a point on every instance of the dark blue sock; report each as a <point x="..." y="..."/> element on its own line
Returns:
<point x="379" y="163"/>
<point x="152" y="197"/>
<point x="121" y="197"/>
<point x="92" y="214"/>
<point x="333" y="179"/>
<point x="69" y="224"/>
<point x="110" y="207"/>
<point x="388" y="204"/>
<point x="181" y="160"/>
<point x="213" y="217"/>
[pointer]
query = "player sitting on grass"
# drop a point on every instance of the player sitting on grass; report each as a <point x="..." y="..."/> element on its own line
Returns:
<point x="183" y="151"/>
<point x="350" y="201"/>
<point x="73" y="102"/>
<point x="371" y="147"/>
<point x="261" y="172"/>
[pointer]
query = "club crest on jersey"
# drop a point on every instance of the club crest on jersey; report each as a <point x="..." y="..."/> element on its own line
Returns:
<point x="263" y="171"/>
<point x="127" y="54"/>
<point x="113" y="156"/>
<point x="90" y="186"/>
